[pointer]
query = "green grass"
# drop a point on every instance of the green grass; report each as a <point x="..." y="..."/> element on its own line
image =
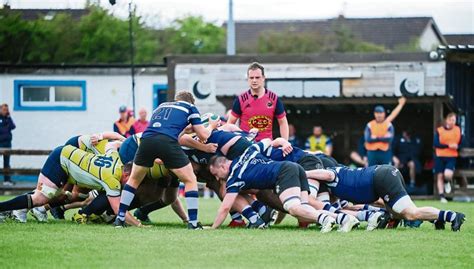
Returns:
<point x="63" y="244"/>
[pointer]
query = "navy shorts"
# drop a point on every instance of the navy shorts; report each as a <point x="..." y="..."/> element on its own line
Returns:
<point x="73" y="141"/>
<point x="443" y="163"/>
<point x="52" y="168"/>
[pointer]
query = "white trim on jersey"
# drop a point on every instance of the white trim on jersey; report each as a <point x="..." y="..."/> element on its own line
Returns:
<point x="246" y="163"/>
<point x="177" y="107"/>
<point x="193" y="116"/>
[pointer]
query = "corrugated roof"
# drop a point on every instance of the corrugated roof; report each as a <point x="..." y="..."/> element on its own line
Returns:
<point x="388" y="32"/>
<point x="33" y="14"/>
<point x="454" y="39"/>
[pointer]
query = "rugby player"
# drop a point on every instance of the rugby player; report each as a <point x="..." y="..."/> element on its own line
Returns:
<point x="160" y="140"/>
<point x="367" y="185"/>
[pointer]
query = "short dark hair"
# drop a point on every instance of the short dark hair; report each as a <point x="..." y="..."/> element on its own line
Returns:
<point x="185" y="96"/>
<point x="255" y="66"/>
<point x="216" y="160"/>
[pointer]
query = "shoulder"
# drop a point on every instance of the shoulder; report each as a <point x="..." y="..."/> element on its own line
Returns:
<point x="245" y="96"/>
<point x="271" y="95"/>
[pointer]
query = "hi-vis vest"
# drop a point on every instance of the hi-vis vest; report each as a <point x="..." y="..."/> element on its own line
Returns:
<point x="379" y="130"/>
<point x="318" y="144"/>
<point x="124" y="127"/>
<point x="448" y="136"/>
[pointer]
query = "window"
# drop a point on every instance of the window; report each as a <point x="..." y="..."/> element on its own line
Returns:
<point x="50" y="95"/>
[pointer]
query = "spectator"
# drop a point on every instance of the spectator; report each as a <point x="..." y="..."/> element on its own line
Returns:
<point x="294" y="141"/>
<point x="6" y="127"/>
<point x="447" y="140"/>
<point x="379" y="134"/>
<point x="140" y="125"/>
<point x="407" y="150"/>
<point x="257" y="106"/>
<point x="124" y="124"/>
<point x="319" y="141"/>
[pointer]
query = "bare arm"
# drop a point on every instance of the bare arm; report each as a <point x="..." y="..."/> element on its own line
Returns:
<point x="114" y="203"/>
<point x="177" y="207"/>
<point x="321" y="174"/>
<point x="230" y="127"/>
<point x="202" y="132"/>
<point x="396" y="111"/>
<point x="113" y="146"/>
<point x="284" y="129"/>
<point x="187" y="141"/>
<point x="224" y="209"/>
<point x="284" y="144"/>
<point x="232" y="119"/>
<point x="112" y="136"/>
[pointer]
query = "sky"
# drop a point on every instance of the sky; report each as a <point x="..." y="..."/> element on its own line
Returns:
<point x="451" y="16"/>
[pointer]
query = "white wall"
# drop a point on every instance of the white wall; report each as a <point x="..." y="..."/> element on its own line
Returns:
<point x="48" y="129"/>
<point x="428" y="39"/>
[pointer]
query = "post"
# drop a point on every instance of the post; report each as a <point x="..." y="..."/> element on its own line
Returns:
<point x="437" y="118"/>
<point x="132" y="53"/>
<point x="231" y="30"/>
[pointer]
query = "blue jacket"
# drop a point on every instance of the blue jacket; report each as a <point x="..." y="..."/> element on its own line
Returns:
<point x="6" y="127"/>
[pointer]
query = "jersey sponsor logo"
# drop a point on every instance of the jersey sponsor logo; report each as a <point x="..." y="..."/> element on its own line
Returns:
<point x="261" y="122"/>
<point x="394" y="172"/>
<point x="157" y="125"/>
<point x="386" y="198"/>
<point x="269" y="104"/>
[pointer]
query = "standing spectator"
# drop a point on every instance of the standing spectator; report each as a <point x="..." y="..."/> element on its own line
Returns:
<point x="257" y="106"/>
<point x="6" y="127"/>
<point x="124" y="124"/>
<point x="319" y="141"/>
<point x="140" y="125"/>
<point x="407" y="150"/>
<point x="447" y="140"/>
<point x="379" y="134"/>
<point x="293" y="139"/>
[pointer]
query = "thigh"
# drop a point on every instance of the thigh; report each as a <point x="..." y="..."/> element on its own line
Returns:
<point x="288" y="177"/>
<point x="439" y="165"/>
<point x="450" y="164"/>
<point x="389" y="184"/>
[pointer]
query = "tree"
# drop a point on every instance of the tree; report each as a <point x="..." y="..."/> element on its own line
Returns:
<point x="290" y="42"/>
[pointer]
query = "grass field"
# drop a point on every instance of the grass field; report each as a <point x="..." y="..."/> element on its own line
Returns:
<point x="63" y="244"/>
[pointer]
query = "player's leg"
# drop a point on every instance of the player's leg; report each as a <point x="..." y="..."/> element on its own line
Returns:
<point x="412" y="172"/>
<point x="243" y="206"/>
<point x="187" y="176"/>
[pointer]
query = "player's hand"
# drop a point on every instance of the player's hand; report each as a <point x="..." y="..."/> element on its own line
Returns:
<point x="140" y="225"/>
<point x="214" y="123"/>
<point x="159" y="161"/>
<point x="207" y="228"/>
<point x="94" y="139"/>
<point x="287" y="149"/>
<point x="211" y="148"/>
<point x="402" y="100"/>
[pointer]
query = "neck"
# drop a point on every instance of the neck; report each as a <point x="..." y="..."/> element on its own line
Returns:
<point x="259" y="92"/>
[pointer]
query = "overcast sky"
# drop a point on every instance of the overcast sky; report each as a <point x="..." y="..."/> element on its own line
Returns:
<point x="451" y="16"/>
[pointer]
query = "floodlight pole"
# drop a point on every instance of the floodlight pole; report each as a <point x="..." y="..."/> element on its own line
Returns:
<point x="132" y="52"/>
<point x="231" y="30"/>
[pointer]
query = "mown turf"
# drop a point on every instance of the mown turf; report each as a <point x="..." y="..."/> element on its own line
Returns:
<point x="63" y="244"/>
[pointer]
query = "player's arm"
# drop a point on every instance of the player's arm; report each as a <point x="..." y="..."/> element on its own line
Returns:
<point x="114" y="202"/>
<point x="112" y="146"/>
<point x="282" y="120"/>
<point x="236" y="111"/>
<point x="284" y="144"/>
<point x="321" y="174"/>
<point x="224" y="209"/>
<point x="178" y="208"/>
<point x="112" y="136"/>
<point x="401" y="102"/>
<point x="230" y="127"/>
<point x="188" y="141"/>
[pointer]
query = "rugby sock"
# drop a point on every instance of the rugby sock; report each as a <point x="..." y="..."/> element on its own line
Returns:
<point x="259" y="207"/>
<point x="146" y="209"/>
<point x="447" y="215"/>
<point x="363" y="215"/>
<point x="19" y="202"/>
<point x="330" y="208"/>
<point x="99" y="205"/>
<point x="236" y="216"/>
<point x="192" y="204"/>
<point x="250" y="214"/>
<point x="371" y="208"/>
<point x="341" y="218"/>
<point x="321" y="218"/>
<point x="128" y="193"/>
<point x="343" y="203"/>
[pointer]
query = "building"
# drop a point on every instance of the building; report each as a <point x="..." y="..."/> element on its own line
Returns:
<point x="391" y="33"/>
<point x="51" y="103"/>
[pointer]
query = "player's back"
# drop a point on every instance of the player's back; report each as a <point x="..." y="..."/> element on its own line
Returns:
<point x="354" y="184"/>
<point x="93" y="171"/>
<point x="170" y="119"/>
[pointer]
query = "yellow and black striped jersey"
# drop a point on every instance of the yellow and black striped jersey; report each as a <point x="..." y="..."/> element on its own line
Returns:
<point x="86" y="145"/>
<point x="94" y="171"/>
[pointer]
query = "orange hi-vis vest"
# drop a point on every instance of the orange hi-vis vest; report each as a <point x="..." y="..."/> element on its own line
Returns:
<point x="124" y="127"/>
<point x="379" y="130"/>
<point x="446" y="137"/>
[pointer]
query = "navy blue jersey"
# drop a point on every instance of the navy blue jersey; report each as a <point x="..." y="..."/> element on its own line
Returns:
<point x="128" y="149"/>
<point x="276" y="154"/>
<point x="220" y="138"/>
<point x="252" y="171"/>
<point x="354" y="185"/>
<point x="171" y="118"/>
<point x="197" y="156"/>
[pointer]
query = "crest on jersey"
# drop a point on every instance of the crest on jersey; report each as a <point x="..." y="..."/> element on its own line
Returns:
<point x="269" y="104"/>
<point x="260" y="122"/>
<point x="394" y="172"/>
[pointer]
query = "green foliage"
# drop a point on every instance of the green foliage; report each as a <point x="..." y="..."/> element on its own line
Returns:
<point x="412" y="46"/>
<point x="345" y="41"/>
<point x="290" y="42"/>
<point x="167" y="244"/>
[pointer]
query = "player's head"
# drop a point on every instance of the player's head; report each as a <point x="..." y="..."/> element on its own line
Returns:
<point x="450" y="120"/>
<point x="317" y="130"/>
<point x="379" y="113"/>
<point x="126" y="171"/>
<point x="219" y="167"/>
<point x="256" y="76"/>
<point x="185" y="96"/>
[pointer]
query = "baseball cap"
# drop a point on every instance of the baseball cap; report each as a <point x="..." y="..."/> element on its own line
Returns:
<point x="379" y="109"/>
<point x="122" y="109"/>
